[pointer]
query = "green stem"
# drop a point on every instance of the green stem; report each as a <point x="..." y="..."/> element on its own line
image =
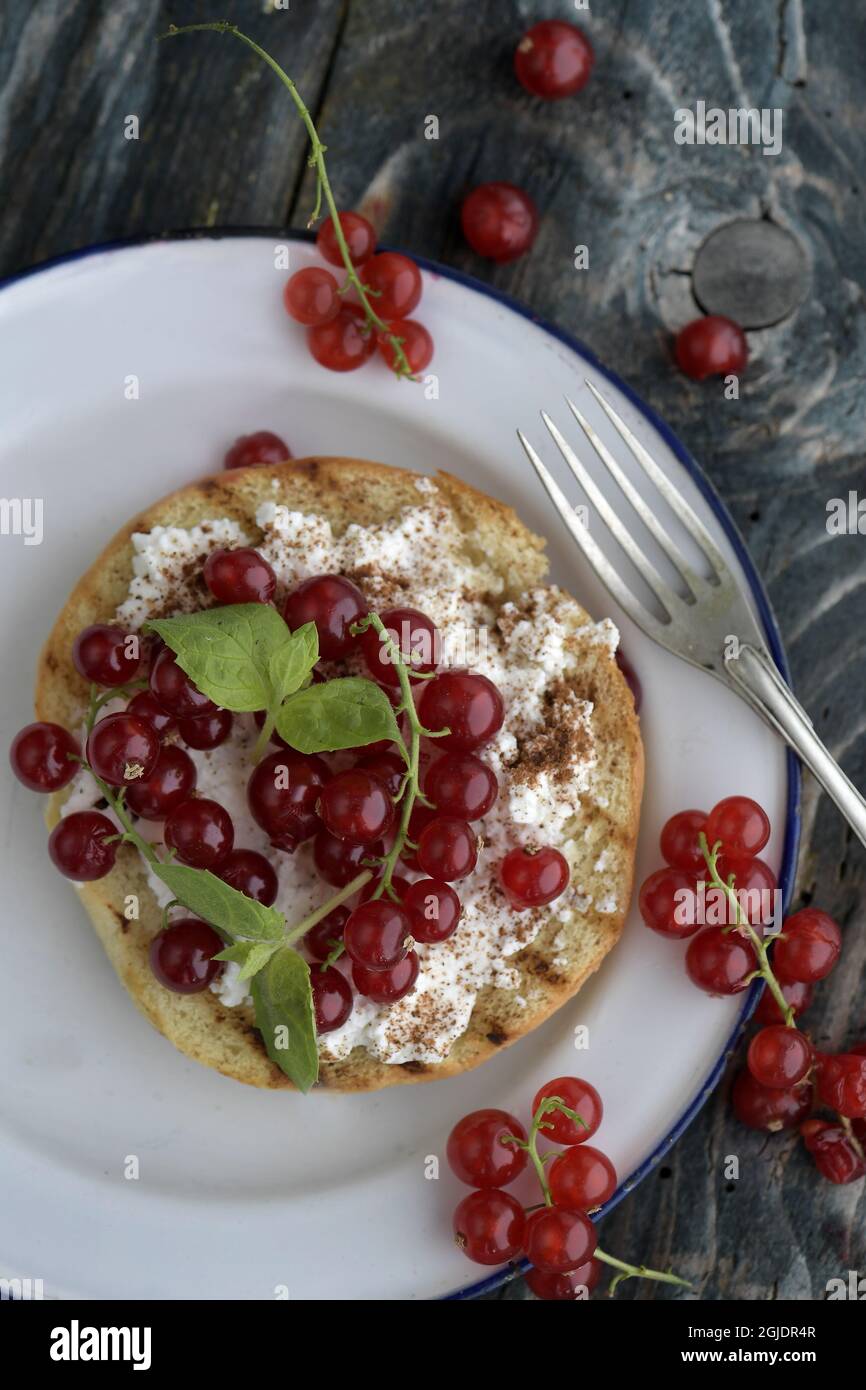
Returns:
<point x="636" y="1272"/>
<point x="743" y="925"/>
<point x="317" y="161"/>
<point x="357" y="883"/>
<point x="264" y="737"/>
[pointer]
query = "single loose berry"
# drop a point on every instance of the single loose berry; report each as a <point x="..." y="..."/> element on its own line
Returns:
<point x="43" y="757"/>
<point x="578" y="1095"/>
<point x="711" y="346"/>
<point x="720" y="962"/>
<point x="250" y="873"/>
<point x="553" y="59"/>
<point x="467" y="704"/>
<point x="489" y="1227"/>
<point x="809" y="947"/>
<point x="434" y="908"/>
<point x="332" y="998"/>
<point x="171" y="782"/>
<point x="499" y="221"/>
<point x="679" y="842"/>
<point x="769" y="1107"/>
<point x="201" y="833"/>
<point x="357" y="233"/>
<point x="333" y="604"/>
<point x="79" y="846"/>
<point x="396" y="282"/>
<point x="312" y="296"/>
<point x="559" y="1239"/>
<point x="122" y="749"/>
<point x="779" y="1056"/>
<point x="239" y="576"/>
<point x="181" y="956"/>
<point x="533" y="878"/>
<point x="387" y="986"/>
<point x="262" y="450"/>
<point x="668" y="903"/>
<point x="106" y="655"/>
<point x="582" y="1177"/>
<point x="479" y="1152"/>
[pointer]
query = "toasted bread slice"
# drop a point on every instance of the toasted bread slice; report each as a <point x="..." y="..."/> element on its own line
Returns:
<point x="564" y="952"/>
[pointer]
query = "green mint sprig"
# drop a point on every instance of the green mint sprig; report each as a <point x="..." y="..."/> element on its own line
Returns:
<point x="548" y="1106"/>
<point x="375" y="323"/>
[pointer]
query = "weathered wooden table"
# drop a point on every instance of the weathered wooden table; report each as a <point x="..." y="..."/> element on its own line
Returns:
<point x="220" y="146"/>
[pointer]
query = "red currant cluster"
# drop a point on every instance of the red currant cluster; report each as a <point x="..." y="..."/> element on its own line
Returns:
<point x="350" y="815"/>
<point x="784" y="1073"/>
<point x="490" y="1149"/>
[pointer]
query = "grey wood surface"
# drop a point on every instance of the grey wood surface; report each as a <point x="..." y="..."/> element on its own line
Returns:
<point x="220" y="146"/>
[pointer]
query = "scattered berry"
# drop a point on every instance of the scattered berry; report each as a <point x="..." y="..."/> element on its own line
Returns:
<point x="282" y="794"/>
<point x="262" y="449"/>
<point x="239" y="576"/>
<point x="553" y="59"/>
<point x="106" y="655"/>
<point x="533" y="878"/>
<point x="42" y="756"/>
<point x="414" y="635"/>
<point x="499" y="221"/>
<point x="842" y="1084"/>
<point x="78" y="846"/>
<point x="711" y="346"/>
<point x="181" y="956"/>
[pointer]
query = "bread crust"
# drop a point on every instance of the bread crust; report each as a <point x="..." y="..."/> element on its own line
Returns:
<point x="346" y="491"/>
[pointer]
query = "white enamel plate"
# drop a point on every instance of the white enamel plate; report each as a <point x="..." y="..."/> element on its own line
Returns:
<point x="243" y="1193"/>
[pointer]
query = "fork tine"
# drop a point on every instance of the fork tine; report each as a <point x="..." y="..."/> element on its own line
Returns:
<point x="612" y="581"/>
<point x="674" y="498"/>
<point x="670" y="601"/>
<point x="695" y="582"/>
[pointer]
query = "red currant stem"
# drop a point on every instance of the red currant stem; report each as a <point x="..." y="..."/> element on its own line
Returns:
<point x="301" y="929"/>
<point x="628" y="1271"/>
<point x="316" y="161"/>
<point x="264" y="737"/>
<point x="167" y="909"/>
<point x="741" y="924"/>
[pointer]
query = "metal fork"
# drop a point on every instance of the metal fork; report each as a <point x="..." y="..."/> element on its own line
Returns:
<point x="710" y="626"/>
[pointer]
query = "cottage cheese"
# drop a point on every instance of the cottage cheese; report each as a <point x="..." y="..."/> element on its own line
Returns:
<point x="418" y="560"/>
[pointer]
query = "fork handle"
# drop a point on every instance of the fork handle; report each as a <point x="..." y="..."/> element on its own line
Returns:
<point x="754" y="676"/>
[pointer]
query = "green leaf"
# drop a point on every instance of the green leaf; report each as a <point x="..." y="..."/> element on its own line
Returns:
<point x="227" y="652"/>
<point x="290" y="664"/>
<point x="284" y="1015"/>
<point x="225" y="908"/>
<point x="251" y="956"/>
<point x="341" y="713"/>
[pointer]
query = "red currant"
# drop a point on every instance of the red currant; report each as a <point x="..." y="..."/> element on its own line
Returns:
<point x="836" y="1157"/>
<point x="106" y="655"/>
<point x="578" y="1095"/>
<point x="333" y="604"/>
<point x="447" y="848"/>
<point x="397" y="281"/>
<point x="122" y="749"/>
<point x="842" y="1084"/>
<point x="387" y="986"/>
<point x="312" y="296"/>
<point x="779" y="1056"/>
<point x="582" y="1177"/>
<point x="742" y="826"/>
<point x="174" y="691"/>
<point x="809" y="947"/>
<point x="559" y="1239"/>
<point x="720" y="962"/>
<point x="42" y="756"/>
<point x="356" y="806"/>
<point x="553" y="59"/>
<point x="797" y="995"/>
<point x="239" y="576"/>
<point x="668" y="903"/>
<point x="326" y="935"/>
<point x="489" y="1227"/>
<point x="414" y="635"/>
<point x="181" y="956"/>
<point x="711" y="346"/>
<point x="769" y="1107"/>
<point x="250" y="873"/>
<point x="417" y="345"/>
<point x="206" y="730"/>
<point x="339" y="861"/>
<point x="533" y="878"/>
<point x="262" y="449"/>
<point x="344" y="343"/>
<point x="332" y="998"/>
<point x="420" y="817"/>
<point x="499" y="221"/>
<point x="171" y="782"/>
<point x="679" y="842"/>
<point x="145" y="706"/>
<point x="460" y="784"/>
<point x="282" y="793"/>
<point x="378" y="934"/>
<point x="434" y="908"/>
<point x="755" y="885"/>
<point x="388" y="768"/>
<point x="399" y="884"/>
<point x="478" y="1150"/>
<point x="578" y="1283"/>
<point x="465" y="703"/>
<point x="359" y="236"/>
<point x="201" y="833"/>
<point x="79" y="848"/>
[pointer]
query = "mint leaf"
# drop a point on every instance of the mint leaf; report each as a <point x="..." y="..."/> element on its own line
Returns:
<point x="251" y="956"/>
<point x="290" y="664"/>
<point x="225" y="908"/>
<point x="284" y="1015"/>
<point x="228" y="653"/>
<point x="342" y="713"/>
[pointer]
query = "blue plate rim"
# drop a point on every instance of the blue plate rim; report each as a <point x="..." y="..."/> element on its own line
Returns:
<point x="726" y="521"/>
